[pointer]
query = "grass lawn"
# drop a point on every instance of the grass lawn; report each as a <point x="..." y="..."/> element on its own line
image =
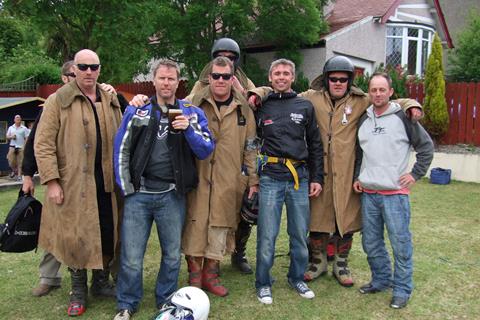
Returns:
<point x="446" y="232"/>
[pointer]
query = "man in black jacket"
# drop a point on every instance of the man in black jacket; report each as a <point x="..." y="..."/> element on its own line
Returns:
<point x="291" y="170"/>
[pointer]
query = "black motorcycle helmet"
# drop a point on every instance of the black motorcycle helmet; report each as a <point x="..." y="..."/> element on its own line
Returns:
<point x="338" y="64"/>
<point x="227" y="44"/>
<point x="249" y="210"/>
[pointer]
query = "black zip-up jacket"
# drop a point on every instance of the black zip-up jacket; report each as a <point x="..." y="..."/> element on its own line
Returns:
<point x="29" y="164"/>
<point x="288" y="128"/>
<point x="135" y="139"/>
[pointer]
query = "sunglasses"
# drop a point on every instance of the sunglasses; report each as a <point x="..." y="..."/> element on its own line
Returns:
<point x="225" y="76"/>
<point x="335" y="79"/>
<point x="84" y="66"/>
<point x="71" y="74"/>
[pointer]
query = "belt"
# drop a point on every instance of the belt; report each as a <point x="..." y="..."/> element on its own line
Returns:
<point x="289" y="163"/>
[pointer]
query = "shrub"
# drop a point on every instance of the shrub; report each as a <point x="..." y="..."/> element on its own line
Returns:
<point x="465" y="58"/>
<point x="435" y="106"/>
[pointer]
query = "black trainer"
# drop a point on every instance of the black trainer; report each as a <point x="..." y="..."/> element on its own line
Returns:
<point x="398" y="302"/>
<point x="369" y="289"/>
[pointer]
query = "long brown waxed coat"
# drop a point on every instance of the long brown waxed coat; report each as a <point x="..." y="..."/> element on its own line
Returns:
<point x="65" y="150"/>
<point x="221" y="183"/>
<point x="337" y="203"/>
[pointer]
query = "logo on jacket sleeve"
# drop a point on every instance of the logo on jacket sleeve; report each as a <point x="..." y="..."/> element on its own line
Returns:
<point x="141" y="113"/>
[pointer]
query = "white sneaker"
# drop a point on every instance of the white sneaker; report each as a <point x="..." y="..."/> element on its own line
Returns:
<point x="302" y="289"/>
<point x="264" y="295"/>
<point x="123" y="315"/>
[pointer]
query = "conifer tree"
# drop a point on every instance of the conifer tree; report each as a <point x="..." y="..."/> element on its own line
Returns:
<point x="435" y="106"/>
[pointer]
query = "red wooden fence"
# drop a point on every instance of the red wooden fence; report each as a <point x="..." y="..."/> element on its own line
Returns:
<point x="128" y="89"/>
<point x="463" y="103"/>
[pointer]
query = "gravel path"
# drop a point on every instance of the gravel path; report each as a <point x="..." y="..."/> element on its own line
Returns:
<point x="458" y="148"/>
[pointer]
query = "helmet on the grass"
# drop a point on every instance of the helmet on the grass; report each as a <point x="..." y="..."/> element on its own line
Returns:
<point x="188" y="303"/>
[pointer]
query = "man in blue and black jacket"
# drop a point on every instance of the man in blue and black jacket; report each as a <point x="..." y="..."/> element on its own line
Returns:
<point x="154" y="162"/>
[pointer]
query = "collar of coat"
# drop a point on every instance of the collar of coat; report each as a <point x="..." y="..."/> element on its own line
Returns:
<point x="70" y="91"/>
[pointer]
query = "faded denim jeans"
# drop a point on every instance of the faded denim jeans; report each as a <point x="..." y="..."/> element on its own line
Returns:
<point x="393" y="211"/>
<point x="141" y="209"/>
<point x="273" y="194"/>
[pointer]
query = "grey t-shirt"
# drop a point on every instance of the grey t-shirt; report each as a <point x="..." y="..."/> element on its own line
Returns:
<point x="158" y="174"/>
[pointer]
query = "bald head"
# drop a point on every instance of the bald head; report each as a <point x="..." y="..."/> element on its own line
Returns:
<point x="86" y="69"/>
<point x="86" y="54"/>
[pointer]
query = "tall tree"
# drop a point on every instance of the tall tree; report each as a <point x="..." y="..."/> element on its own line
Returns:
<point x="117" y="30"/>
<point x="465" y="58"/>
<point x="435" y="106"/>
<point x="127" y="34"/>
<point x="187" y="29"/>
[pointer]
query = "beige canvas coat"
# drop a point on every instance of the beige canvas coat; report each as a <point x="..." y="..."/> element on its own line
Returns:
<point x="221" y="183"/>
<point x="65" y="145"/>
<point x="337" y="203"/>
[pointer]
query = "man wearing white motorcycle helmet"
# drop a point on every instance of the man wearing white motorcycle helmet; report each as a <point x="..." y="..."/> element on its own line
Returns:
<point x="187" y="303"/>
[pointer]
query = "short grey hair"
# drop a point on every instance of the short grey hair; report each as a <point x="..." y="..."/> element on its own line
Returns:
<point x="284" y="62"/>
<point x="221" y="61"/>
<point x="384" y="75"/>
<point x="167" y="63"/>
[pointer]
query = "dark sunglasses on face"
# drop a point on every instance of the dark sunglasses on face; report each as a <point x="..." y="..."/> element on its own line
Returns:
<point x="335" y="79"/>
<point x="225" y="76"/>
<point x="71" y="74"/>
<point x="84" y="66"/>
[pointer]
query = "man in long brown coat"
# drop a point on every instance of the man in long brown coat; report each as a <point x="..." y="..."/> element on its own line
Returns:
<point x="73" y="147"/>
<point x="212" y="207"/>
<point x="229" y="48"/>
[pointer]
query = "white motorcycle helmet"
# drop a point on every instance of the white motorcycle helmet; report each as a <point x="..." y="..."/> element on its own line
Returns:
<point x="188" y="303"/>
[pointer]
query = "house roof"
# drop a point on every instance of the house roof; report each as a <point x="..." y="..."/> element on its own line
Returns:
<point x="15" y="101"/>
<point x="347" y="12"/>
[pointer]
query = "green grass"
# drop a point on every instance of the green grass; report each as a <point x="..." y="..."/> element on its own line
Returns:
<point x="446" y="229"/>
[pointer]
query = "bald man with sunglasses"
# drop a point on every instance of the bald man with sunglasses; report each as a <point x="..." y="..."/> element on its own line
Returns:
<point x="49" y="268"/>
<point x="74" y="152"/>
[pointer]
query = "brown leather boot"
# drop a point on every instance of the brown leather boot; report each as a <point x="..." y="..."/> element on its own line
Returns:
<point x="194" y="271"/>
<point x="318" y="264"/>
<point x="210" y="278"/>
<point x="341" y="272"/>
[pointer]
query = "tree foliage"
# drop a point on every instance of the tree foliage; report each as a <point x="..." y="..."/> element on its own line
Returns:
<point x="465" y="58"/>
<point x="435" y="106"/>
<point x="186" y="30"/>
<point x="20" y="55"/>
<point x="127" y="34"/>
<point x="117" y="30"/>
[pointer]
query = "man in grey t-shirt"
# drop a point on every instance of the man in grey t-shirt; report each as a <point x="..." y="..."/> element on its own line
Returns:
<point x="17" y="134"/>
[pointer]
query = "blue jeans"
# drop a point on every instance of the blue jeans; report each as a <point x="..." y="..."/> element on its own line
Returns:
<point x="273" y="194"/>
<point x="141" y="209"/>
<point x="393" y="211"/>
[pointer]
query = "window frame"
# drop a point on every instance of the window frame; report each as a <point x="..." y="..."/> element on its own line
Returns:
<point x="406" y="42"/>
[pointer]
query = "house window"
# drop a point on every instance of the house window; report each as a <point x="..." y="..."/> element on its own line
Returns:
<point x="3" y="132"/>
<point x="408" y="46"/>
